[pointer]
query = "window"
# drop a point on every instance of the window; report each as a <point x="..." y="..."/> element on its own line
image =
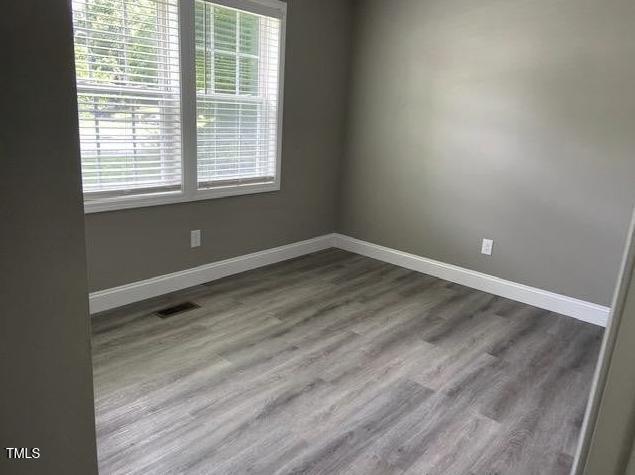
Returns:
<point x="178" y="100"/>
<point x="127" y="66"/>
<point x="236" y="95"/>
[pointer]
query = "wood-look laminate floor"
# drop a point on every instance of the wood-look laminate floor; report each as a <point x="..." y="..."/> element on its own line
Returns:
<point x="336" y="363"/>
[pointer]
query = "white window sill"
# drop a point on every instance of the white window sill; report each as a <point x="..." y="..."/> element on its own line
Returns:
<point x="158" y="199"/>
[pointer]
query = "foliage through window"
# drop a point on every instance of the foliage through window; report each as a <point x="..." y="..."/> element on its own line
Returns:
<point x="131" y="89"/>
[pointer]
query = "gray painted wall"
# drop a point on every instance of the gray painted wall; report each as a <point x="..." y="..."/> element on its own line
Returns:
<point x="126" y="246"/>
<point x="513" y="120"/>
<point x="46" y="400"/>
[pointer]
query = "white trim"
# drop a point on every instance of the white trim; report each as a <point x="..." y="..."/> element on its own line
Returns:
<point x="282" y="56"/>
<point x="579" y="309"/>
<point x="154" y="287"/>
<point x="146" y="200"/>
<point x="270" y="8"/>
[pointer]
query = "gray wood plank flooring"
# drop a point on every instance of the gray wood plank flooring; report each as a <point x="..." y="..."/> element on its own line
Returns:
<point x="336" y="363"/>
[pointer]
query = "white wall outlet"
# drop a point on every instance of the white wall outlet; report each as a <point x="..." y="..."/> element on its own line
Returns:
<point x="195" y="238"/>
<point x="487" y="246"/>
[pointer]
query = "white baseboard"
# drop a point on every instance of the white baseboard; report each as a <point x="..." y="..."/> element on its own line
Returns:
<point x="157" y="286"/>
<point x="579" y="309"/>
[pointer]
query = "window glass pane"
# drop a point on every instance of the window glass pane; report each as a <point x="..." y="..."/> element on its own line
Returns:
<point x="225" y="73"/>
<point x="248" y="76"/>
<point x="249" y="33"/>
<point x="201" y="40"/>
<point x="249" y="139"/>
<point x="224" y="29"/>
<point x="227" y="136"/>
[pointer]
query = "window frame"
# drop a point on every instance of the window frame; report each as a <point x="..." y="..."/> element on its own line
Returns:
<point x="189" y="191"/>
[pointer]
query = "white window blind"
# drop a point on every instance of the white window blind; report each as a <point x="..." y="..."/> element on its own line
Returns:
<point x="127" y="66"/>
<point x="237" y="89"/>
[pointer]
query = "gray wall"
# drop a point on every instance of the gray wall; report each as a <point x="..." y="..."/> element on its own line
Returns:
<point x="126" y="246"/>
<point x="509" y="119"/>
<point x="46" y="400"/>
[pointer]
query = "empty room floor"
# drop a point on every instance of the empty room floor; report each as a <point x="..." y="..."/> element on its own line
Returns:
<point x="337" y="363"/>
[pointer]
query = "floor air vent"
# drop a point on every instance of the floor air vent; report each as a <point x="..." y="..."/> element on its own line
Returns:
<point x="176" y="309"/>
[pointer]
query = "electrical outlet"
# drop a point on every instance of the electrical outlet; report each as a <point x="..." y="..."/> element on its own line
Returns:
<point x="487" y="246"/>
<point x="195" y="238"/>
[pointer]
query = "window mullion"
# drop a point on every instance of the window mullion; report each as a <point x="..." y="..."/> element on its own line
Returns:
<point x="212" y="54"/>
<point x="237" y="70"/>
<point x="188" y="96"/>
